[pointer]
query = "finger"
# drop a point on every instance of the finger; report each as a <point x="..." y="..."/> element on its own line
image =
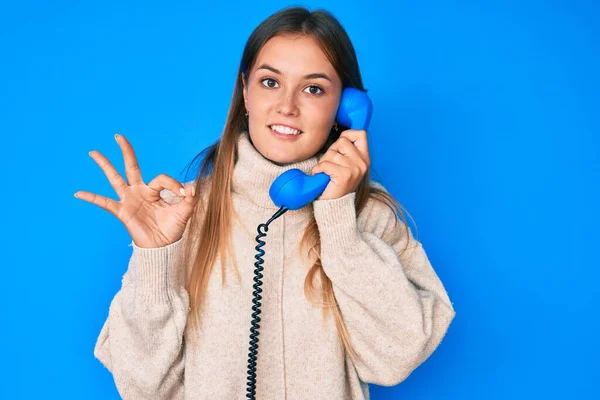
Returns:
<point x="334" y="156"/>
<point x="190" y="195"/>
<point x="359" y="140"/>
<point x="335" y="171"/>
<point x="186" y="206"/>
<point x="132" y="168"/>
<point x="343" y="152"/>
<point x="348" y="150"/>
<point x="103" y="202"/>
<point x="164" y="181"/>
<point x="116" y="180"/>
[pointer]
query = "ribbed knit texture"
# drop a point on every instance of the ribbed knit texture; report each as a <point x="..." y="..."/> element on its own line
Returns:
<point x="156" y="271"/>
<point x="393" y="305"/>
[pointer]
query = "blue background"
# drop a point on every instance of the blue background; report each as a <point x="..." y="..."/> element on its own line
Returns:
<point x="485" y="128"/>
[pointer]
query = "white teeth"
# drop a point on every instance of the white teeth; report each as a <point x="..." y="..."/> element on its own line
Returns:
<point x="285" y="130"/>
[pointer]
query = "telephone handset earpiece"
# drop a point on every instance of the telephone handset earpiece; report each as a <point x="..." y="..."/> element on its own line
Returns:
<point x="293" y="189"/>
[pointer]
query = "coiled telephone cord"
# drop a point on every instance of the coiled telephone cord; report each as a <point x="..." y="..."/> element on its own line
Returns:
<point x="254" y="329"/>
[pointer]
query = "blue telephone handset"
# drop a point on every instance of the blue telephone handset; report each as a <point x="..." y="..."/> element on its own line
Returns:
<point x="293" y="189"/>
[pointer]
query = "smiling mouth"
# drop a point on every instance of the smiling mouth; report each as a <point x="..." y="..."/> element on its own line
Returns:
<point x="285" y="130"/>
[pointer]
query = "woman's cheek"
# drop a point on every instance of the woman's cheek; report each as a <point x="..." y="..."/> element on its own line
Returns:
<point x="323" y="114"/>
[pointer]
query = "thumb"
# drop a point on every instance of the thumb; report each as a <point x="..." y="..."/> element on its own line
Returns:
<point x="189" y="200"/>
<point x="190" y="194"/>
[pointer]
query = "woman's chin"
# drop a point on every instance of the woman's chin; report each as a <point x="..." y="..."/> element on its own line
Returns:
<point x="282" y="161"/>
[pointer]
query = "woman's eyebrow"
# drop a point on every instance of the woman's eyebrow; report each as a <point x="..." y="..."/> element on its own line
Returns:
<point x="315" y="75"/>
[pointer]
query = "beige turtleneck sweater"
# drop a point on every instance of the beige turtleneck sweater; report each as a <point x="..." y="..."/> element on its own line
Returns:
<point x="395" y="309"/>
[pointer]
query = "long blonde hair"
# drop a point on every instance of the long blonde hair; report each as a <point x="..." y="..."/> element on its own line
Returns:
<point x="211" y="222"/>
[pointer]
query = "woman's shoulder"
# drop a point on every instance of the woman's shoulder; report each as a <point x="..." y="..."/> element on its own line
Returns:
<point x="380" y="215"/>
<point x="375" y="203"/>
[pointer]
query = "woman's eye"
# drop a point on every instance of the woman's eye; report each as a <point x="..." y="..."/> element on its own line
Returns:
<point x="269" y="82"/>
<point x="314" y="89"/>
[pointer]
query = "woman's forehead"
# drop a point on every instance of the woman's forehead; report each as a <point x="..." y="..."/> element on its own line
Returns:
<point x="293" y="55"/>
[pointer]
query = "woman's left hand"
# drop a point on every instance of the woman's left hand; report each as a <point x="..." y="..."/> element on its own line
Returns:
<point x="346" y="162"/>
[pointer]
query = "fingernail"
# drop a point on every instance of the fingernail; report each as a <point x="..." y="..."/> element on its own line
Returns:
<point x="75" y="194"/>
<point x="182" y="191"/>
<point x="193" y="191"/>
<point x="117" y="137"/>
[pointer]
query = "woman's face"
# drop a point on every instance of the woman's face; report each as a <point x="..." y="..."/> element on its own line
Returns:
<point x="291" y="88"/>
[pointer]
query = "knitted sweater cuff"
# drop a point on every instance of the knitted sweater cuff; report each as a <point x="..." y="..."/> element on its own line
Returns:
<point x="156" y="271"/>
<point x="336" y="221"/>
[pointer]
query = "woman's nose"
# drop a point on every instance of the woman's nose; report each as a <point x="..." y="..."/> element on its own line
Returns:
<point x="288" y="104"/>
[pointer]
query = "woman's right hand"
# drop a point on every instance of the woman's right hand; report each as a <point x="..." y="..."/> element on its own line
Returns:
<point x="150" y="220"/>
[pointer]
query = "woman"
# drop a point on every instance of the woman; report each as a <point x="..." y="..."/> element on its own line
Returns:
<point x="349" y="296"/>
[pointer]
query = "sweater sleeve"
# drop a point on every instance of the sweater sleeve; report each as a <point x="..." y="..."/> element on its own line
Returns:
<point x="142" y="341"/>
<point x="393" y="305"/>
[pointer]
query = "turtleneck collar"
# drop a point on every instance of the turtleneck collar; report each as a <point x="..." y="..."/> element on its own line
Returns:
<point x="253" y="174"/>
